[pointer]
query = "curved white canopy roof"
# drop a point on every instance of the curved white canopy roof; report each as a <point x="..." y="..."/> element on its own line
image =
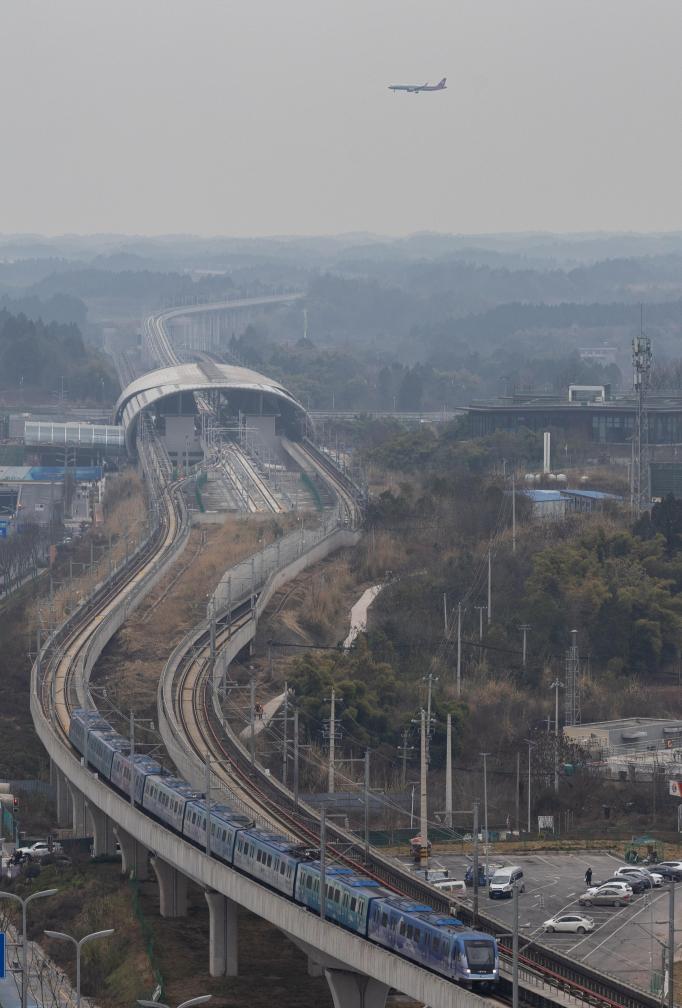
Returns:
<point x="156" y="385"/>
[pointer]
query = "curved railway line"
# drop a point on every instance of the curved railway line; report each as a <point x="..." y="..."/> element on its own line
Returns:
<point x="62" y="679"/>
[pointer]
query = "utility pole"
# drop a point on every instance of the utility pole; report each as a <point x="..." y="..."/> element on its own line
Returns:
<point x="515" y="948"/>
<point x="518" y="792"/>
<point x="459" y="649"/>
<point x="332" y="741"/>
<point x="485" y="808"/>
<point x="132" y="759"/>
<point x="556" y="686"/>
<point x="207" y="786"/>
<point x="671" y="945"/>
<point x="284" y="730"/>
<point x="481" y="610"/>
<point x="530" y="746"/>
<point x="296" y="757"/>
<point x="524" y="628"/>
<point x="490" y="584"/>
<point x="252" y="683"/>
<point x="448" y="772"/>
<point x="403" y="752"/>
<point x="423" y="803"/>
<point x="513" y="482"/>
<point x="475" y="865"/>
<point x="366" y="806"/>
<point x="323" y="862"/>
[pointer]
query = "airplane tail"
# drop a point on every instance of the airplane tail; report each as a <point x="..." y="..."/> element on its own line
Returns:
<point x="441" y="83"/>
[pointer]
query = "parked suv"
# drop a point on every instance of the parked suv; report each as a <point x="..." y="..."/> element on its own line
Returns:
<point x="38" y="850"/>
<point x="503" y="881"/>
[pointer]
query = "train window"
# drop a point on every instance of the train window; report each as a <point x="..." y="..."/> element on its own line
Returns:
<point x="416" y="934"/>
<point x="401" y="929"/>
<point x="308" y="882"/>
<point x="269" y="860"/>
<point x="410" y="931"/>
<point x="337" y="895"/>
<point x="282" y="868"/>
<point x="435" y="945"/>
<point x="258" y="856"/>
<point x="384" y="920"/>
<point x="353" y="903"/>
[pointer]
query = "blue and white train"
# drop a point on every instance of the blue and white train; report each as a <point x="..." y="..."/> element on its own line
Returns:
<point x="359" y="904"/>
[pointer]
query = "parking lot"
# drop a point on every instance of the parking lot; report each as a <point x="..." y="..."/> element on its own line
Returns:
<point x="624" y="942"/>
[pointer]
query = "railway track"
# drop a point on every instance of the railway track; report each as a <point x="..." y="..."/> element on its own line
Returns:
<point x="59" y="692"/>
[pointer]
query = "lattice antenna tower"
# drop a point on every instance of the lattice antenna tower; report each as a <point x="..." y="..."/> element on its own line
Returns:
<point x="641" y="363"/>
<point x="572" y="715"/>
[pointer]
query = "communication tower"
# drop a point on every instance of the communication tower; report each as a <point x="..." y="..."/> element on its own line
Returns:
<point x="640" y="495"/>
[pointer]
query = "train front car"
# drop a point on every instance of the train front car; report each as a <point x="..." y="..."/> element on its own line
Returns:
<point x="475" y="960"/>
<point x="442" y="944"/>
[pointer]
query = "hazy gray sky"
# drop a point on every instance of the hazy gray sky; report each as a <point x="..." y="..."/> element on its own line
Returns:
<point x="272" y="116"/>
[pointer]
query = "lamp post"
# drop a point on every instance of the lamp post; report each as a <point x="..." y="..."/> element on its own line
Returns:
<point x="24" y="906"/>
<point x="60" y="936"/>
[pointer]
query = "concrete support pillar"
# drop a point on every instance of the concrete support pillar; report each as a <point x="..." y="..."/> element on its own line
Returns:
<point x="354" y="990"/>
<point x="134" y="856"/>
<point x="223" y="957"/>
<point x="104" y="843"/>
<point x="172" y="889"/>
<point x="78" y="818"/>
<point x="314" y="968"/>
<point x="64" y="806"/>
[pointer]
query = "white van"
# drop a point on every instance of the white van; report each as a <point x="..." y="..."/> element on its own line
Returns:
<point x="453" y="887"/>
<point x="503" y="881"/>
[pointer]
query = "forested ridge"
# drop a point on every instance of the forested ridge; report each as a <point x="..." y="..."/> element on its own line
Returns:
<point x="48" y="356"/>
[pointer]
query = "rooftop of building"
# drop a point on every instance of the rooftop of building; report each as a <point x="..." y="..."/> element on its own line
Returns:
<point x="538" y="401"/>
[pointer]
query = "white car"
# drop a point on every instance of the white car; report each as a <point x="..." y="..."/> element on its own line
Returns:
<point x="624" y="886"/>
<point x="574" y="923"/>
<point x="632" y="872"/>
<point x="38" y="850"/>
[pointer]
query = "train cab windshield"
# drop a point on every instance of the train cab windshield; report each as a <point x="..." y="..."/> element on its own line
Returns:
<point x="480" y="955"/>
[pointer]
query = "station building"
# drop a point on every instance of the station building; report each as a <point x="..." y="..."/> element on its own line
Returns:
<point x="596" y="417"/>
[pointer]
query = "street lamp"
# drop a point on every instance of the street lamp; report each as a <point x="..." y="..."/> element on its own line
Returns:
<point x="79" y="945"/>
<point x="185" y="1004"/>
<point x="24" y="905"/>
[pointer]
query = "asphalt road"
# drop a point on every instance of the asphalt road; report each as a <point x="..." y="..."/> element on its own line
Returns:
<point x="624" y="940"/>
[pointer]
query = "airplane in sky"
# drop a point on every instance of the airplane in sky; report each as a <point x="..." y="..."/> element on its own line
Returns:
<point x="416" y="88"/>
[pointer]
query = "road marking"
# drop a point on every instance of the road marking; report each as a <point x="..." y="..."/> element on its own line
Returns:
<point x="646" y="906"/>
